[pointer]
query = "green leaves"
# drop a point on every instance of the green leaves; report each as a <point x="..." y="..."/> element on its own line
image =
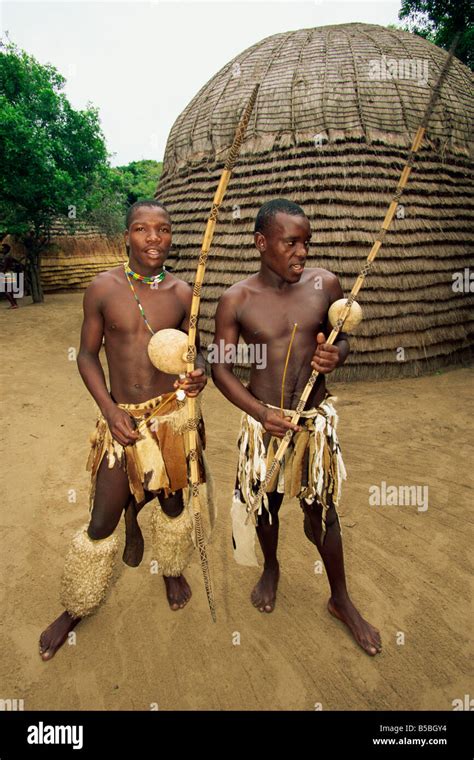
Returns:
<point x="439" y="21"/>
<point x="51" y="156"/>
<point x="54" y="163"/>
<point x="140" y="179"/>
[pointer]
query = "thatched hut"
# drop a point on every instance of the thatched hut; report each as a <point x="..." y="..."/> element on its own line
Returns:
<point x="71" y="261"/>
<point x="336" y="113"/>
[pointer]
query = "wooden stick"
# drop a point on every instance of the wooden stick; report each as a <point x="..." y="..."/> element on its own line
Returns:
<point x="191" y="352"/>
<point x="282" y="396"/>
<point x="417" y="140"/>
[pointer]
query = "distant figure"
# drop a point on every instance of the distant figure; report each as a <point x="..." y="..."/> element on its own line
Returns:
<point x="10" y="268"/>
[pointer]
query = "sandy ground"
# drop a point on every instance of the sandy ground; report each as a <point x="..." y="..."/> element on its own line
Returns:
<point x="408" y="570"/>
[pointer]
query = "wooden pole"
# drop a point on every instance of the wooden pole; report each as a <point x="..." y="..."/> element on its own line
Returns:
<point x="191" y="352"/>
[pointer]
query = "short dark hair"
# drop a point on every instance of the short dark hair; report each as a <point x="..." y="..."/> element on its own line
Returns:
<point x="138" y="204"/>
<point x="271" y="208"/>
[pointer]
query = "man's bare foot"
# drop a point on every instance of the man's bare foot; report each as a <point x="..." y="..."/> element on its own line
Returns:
<point x="263" y="595"/>
<point x="55" y="635"/>
<point x="365" y="634"/>
<point x="178" y="591"/>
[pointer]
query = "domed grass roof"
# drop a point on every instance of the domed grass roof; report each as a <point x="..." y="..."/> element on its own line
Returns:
<point x="335" y="81"/>
<point x="336" y="112"/>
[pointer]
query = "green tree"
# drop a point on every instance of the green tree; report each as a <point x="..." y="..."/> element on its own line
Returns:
<point x="439" y="21"/>
<point x="140" y="179"/>
<point x="53" y="159"/>
<point x="108" y="202"/>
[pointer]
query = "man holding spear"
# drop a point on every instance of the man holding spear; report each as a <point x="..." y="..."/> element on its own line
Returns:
<point x="138" y="447"/>
<point x="265" y="470"/>
<point x="297" y="299"/>
<point x="145" y="444"/>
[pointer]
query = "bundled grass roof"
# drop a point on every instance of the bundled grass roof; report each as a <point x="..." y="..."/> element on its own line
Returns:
<point x="337" y="109"/>
<point x="70" y="262"/>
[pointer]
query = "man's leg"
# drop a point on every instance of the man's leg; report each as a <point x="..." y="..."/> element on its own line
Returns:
<point x="173" y="547"/>
<point x="263" y="595"/>
<point x="339" y="604"/>
<point x="134" y="543"/>
<point x="111" y="497"/>
<point x="11" y="300"/>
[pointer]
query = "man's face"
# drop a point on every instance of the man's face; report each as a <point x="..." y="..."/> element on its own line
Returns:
<point x="149" y="236"/>
<point x="284" y="246"/>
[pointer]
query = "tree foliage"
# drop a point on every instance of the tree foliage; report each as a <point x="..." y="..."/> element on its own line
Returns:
<point x="140" y="179"/>
<point x="439" y="21"/>
<point x="53" y="159"/>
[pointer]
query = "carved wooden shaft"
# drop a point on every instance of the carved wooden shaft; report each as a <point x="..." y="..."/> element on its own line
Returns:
<point x="191" y="352"/>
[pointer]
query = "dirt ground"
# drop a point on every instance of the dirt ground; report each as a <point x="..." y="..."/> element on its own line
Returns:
<point x="408" y="570"/>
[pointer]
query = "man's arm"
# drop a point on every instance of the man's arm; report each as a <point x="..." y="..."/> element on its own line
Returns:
<point x="90" y="368"/>
<point x="227" y="334"/>
<point x="88" y="361"/>
<point x="328" y="357"/>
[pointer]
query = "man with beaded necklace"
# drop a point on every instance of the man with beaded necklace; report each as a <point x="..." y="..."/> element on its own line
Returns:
<point x="138" y="448"/>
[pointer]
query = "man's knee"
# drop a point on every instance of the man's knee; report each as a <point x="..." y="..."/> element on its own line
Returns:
<point x="331" y="517"/>
<point x="100" y="528"/>
<point x="315" y="512"/>
<point x="173" y="504"/>
<point x="275" y="500"/>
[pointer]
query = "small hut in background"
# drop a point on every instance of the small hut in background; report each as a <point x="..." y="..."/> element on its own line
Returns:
<point x="71" y="261"/>
<point x="337" y="110"/>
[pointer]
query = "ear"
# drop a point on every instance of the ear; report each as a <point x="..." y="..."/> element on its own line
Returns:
<point x="260" y="242"/>
<point x="125" y="235"/>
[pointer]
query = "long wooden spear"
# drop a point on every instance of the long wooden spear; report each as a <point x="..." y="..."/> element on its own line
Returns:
<point x="191" y="352"/>
<point x="417" y="140"/>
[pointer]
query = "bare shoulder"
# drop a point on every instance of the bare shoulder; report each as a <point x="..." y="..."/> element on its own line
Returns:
<point x="181" y="289"/>
<point x="178" y="283"/>
<point x="106" y="280"/>
<point x="323" y="279"/>
<point x="326" y="276"/>
<point x="240" y="290"/>
<point x="102" y="284"/>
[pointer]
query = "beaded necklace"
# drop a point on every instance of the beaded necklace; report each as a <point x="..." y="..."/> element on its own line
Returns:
<point x="140" y="307"/>
<point x="152" y="281"/>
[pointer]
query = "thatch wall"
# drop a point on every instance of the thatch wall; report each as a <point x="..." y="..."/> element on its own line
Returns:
<point x="70" y="262"/>
<point x="330" y="138"/>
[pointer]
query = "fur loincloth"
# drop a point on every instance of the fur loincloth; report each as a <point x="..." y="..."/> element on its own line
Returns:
<point x="158" y="460"/>
<point x="312" y="469"/>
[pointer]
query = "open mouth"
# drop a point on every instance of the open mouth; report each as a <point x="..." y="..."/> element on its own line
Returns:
<point x="297" y="267"/>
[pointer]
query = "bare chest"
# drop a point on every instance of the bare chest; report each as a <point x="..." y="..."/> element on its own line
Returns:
<point x="272" y="317"/>
<point x="126" y="316"/>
